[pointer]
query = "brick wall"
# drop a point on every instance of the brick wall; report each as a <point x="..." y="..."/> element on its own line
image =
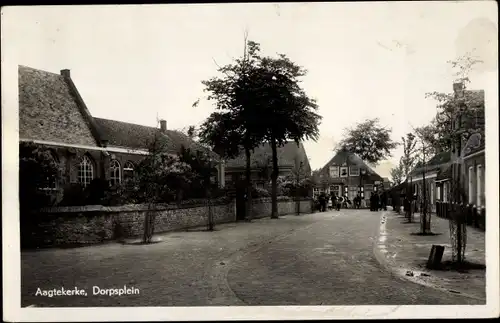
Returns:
<point x="95" y="224"/>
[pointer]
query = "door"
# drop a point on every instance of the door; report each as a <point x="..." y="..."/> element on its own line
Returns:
<point x="335" y="189"/>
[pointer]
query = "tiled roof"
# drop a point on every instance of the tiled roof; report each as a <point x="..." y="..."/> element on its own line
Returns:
<point x="49" y="111"/>
<point x="262" y="155"/>
<point x="433" y="164"/>
<point x="127" y="135"/>
<point x="134" y="136"/>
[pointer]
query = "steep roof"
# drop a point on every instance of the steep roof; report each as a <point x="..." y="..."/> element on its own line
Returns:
<point x="444" y="173"/>
<point x="435" y="163"/>
<point x="49" y="111"/>
<point x="343" y="156"/>
<point x="262" y="156"/>
<point x="134" y="136"/>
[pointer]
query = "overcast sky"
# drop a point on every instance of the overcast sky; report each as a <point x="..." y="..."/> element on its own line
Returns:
<point x="365" y="60"/>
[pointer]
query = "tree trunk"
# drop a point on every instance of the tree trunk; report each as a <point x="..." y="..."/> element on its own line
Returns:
<point x="274" y="181"/>
<point x="248" y="177"/>
<point x="423" y="219"/>
<point x="149" y="222"/>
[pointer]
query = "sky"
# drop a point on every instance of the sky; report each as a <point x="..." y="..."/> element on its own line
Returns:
<point x="364" y="60"/>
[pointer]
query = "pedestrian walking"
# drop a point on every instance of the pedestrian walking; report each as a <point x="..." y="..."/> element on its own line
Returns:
<point x="340" y="200"/>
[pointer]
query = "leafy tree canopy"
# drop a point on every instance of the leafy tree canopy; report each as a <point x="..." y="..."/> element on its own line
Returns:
<point x="370" y="141"/>
<point x="459" y="114"/>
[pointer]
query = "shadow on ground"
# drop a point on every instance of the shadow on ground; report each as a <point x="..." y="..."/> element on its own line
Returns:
<point x="425" y="234"/>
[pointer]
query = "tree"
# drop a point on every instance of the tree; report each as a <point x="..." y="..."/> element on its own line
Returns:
<point x="261" y="100"/>
<point x="37" y="170"/>
<point x="455" y="121"/>
<point x="235" y="126"/>
<point x="370" y="141"/>
<point x="426" y="151"/>
<point x="161" y="178"/>
<point x="410" y="153"/>
<point x="397" y="174"/>
<point x="201" y="171"/>
<point x="287" y="113"/>
<point x="458" y="107"/>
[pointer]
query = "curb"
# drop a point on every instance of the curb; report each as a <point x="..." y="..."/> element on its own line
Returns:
<point x="378" y="251"/>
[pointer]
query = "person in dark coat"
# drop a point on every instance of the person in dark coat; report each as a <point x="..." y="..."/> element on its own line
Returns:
<point x="383" y="201"/>
<point x="357" y="201"/>
<point x="322" y="202"/>
<point x="376" y="202"/>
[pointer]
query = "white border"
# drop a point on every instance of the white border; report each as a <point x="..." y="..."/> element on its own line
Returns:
<point x="11" y="254"/>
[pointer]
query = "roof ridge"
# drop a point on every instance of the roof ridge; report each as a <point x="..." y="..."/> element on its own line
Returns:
<point x="39" y="70"/>
<point x="125" y="122"/>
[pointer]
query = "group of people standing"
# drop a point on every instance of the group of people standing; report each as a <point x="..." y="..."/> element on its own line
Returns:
<point x="333" y="201"/>
<point x="378" y="201"/>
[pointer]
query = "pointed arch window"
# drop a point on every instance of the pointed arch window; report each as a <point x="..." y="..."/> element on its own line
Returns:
<point x="85" y="171"/>
<point x="114" y="173"/>
<point x="128" y="171"/>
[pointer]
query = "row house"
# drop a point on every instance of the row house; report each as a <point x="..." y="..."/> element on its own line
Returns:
<point x="463" y="165"/>
<point x="431" y="175"/>
<point x="53" y="114"/>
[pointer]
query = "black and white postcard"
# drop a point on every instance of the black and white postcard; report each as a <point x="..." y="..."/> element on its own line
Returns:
<point x="258" y="161"/>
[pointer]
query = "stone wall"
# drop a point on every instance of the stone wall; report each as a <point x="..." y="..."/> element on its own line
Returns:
<point x="261" y="208"/>
<point x="94" y="224"/>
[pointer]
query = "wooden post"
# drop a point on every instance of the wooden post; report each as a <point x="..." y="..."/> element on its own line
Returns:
<point x="435" y="257"/>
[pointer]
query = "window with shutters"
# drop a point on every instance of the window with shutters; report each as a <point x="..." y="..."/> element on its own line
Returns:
<point x="334" y="171"/>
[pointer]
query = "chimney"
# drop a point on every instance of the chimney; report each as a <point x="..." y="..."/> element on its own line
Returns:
<point x="163" y="125"/>
<point x="65" y="73"/>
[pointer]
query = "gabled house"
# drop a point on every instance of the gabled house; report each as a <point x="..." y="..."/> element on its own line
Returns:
<point x="292" y="159"/>
<point x="53" y="114"/>
<point x="347" y="175"/>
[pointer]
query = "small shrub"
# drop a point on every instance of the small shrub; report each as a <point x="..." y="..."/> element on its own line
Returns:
<point x="258" y="192"/>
